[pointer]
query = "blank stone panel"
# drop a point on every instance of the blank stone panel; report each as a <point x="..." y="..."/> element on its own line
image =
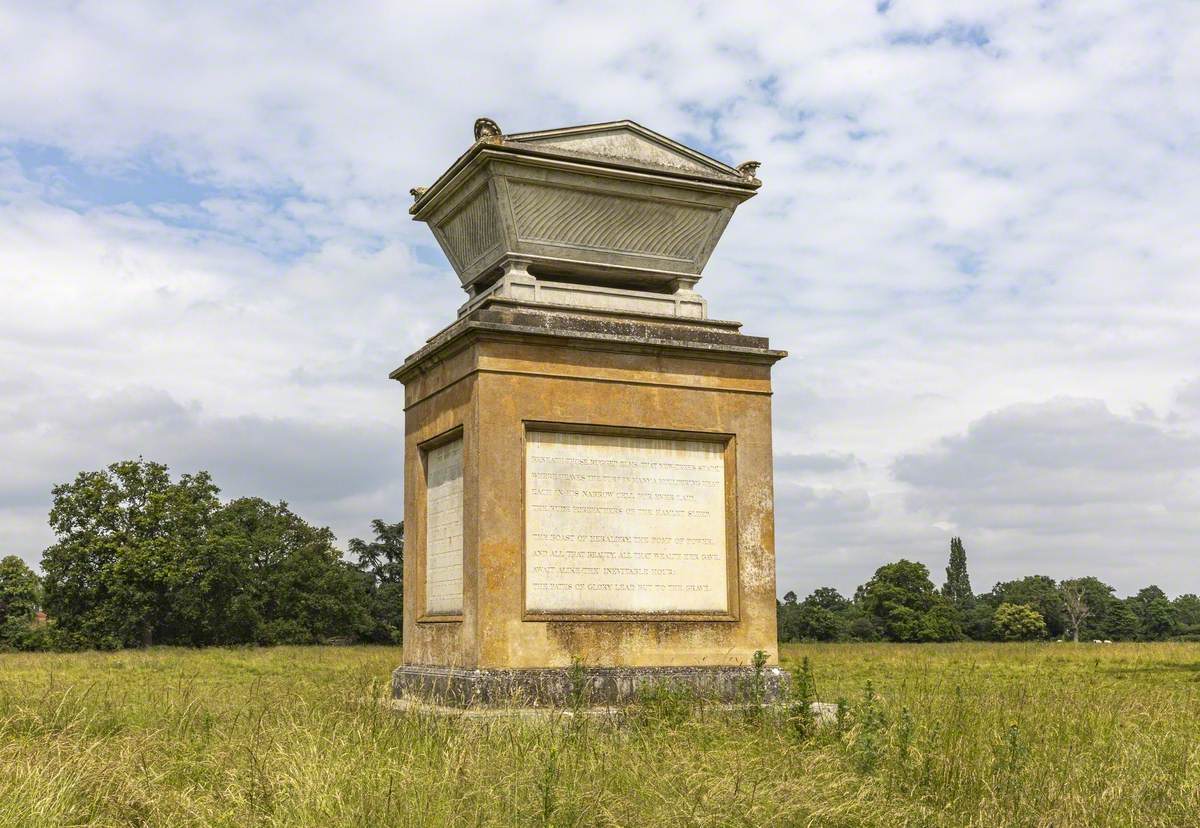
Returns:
<point x="617" y="524"/>
<point x="444" y="530"/>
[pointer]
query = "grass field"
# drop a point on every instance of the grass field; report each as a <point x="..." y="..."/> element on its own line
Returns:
<point x="967" y="734"/>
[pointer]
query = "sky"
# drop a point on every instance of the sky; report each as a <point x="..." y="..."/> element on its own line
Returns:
<point x="978" y="237"/>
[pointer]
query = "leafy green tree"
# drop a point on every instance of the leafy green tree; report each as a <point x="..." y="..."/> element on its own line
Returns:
<point x="20" y="597"/>
<point x="827" y="598"/>
<point x="1186" y="609"/>
<point x="815" y="623"/>
<point x="825" y="615"/>
<point x="20" y="590"/>
<point x="957" y="589"/>
<point x="223" y="604"/>
<point x="297" y="589"/>
<point x="1120" y="622"/>
<point x="1019" y="622"/>
<point x="1147" y="594"/>
<point x="1102" y="599"/>
<point x="126" y="542"/>
<point x="863" y="628"/>
<point x="977" y="624"/>
<point x="1156" y="616"/>
<point x="903" y="602"/>
<point x="382" y="563"/>
<point x="1038" y="591"/>
<point x="142" y="559"/>
<point x="941" y="622"/>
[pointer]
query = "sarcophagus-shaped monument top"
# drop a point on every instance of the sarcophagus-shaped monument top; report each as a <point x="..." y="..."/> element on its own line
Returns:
<point x="614" y="207"/>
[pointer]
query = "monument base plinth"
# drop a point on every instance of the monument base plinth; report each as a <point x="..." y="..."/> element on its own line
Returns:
<point x="592" y="686"/>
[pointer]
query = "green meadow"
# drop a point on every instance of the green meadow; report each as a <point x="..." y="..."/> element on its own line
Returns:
<point x="954" y="735"/>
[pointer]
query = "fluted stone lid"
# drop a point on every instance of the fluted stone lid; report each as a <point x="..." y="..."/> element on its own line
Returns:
<point x="614" y="206"/>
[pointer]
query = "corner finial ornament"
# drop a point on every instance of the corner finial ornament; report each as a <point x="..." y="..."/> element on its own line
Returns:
<point x="417" y="192"/>
<point x="487" y="130"/>
<point x="749" y="169"/>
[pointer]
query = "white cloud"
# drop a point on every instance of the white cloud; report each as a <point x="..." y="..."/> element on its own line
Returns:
<point x="1069" y="485"/>
<point x="967" y="208"/>
<point x="327" y="470"/>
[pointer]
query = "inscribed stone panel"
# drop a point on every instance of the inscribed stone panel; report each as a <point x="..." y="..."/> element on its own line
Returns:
<point x="444" y="530"/>
<point x="618" y="524"/>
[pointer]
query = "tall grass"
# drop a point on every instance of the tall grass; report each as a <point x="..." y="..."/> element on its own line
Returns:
<point x="968" y="734"/>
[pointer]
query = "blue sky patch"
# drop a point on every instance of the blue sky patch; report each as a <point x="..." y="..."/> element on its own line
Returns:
<point x="137" y="181"/>
<point x="954" y="33"/>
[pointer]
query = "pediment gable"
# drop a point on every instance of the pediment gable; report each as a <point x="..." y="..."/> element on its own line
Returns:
<point x="625" y="141"/>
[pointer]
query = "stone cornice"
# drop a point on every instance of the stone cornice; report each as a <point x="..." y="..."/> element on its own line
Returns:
<point x="698" y="341"/>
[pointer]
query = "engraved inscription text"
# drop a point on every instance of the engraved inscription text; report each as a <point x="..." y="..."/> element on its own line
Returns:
<point x="618" y="524"/>
<point x="444" y="530"/>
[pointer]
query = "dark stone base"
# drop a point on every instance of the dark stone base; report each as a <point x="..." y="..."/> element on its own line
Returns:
<point x="589" y="686"/>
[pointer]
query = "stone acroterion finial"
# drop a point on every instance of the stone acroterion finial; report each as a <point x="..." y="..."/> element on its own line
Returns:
<point x="749" y="169"/>
<point x="487" y="130"/>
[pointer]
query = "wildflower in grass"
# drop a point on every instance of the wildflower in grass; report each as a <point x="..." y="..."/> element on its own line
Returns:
<point x="869" y="724"/>
<point x="1011" y="752"/>
<point x="756" y="693"/>
<point x="803" y="696"/>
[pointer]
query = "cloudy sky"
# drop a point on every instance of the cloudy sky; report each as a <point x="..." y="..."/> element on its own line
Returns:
<point x="978" y="237"/>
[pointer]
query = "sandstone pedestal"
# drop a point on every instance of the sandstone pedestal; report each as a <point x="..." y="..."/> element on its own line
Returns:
<point x="588" y="481"/>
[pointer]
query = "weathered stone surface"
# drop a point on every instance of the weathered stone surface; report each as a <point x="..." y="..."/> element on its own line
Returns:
<point x="626" y="377"/>
<point x="611" y="443"/>
<point x="589" y="685"/>
<point x="824" y="713"/>
<point x="684" y="302"/>
<point x="580" y="328"/>
<point x="627" y="142"/>
<point x="616" y="203"/>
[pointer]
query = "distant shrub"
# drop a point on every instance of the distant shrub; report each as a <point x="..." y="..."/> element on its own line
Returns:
<point x="284" y="631"/>
<point x="1019" y="622"/>
<point x="18" y="634"/>
<point x="863" y="629"/>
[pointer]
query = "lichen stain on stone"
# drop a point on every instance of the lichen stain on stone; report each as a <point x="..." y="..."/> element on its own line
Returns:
<point x="625" y="643"/>
<point x="757" y="564"/>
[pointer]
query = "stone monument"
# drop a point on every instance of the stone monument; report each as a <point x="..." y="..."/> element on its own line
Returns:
<point x="588" y="470"/>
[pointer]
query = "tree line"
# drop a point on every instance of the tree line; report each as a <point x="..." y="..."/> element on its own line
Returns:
<point x="901" y="603"/>
<point x="140" y="559"/>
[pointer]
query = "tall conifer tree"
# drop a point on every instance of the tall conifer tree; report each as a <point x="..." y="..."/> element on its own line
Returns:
<point x="958" y="584"/>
